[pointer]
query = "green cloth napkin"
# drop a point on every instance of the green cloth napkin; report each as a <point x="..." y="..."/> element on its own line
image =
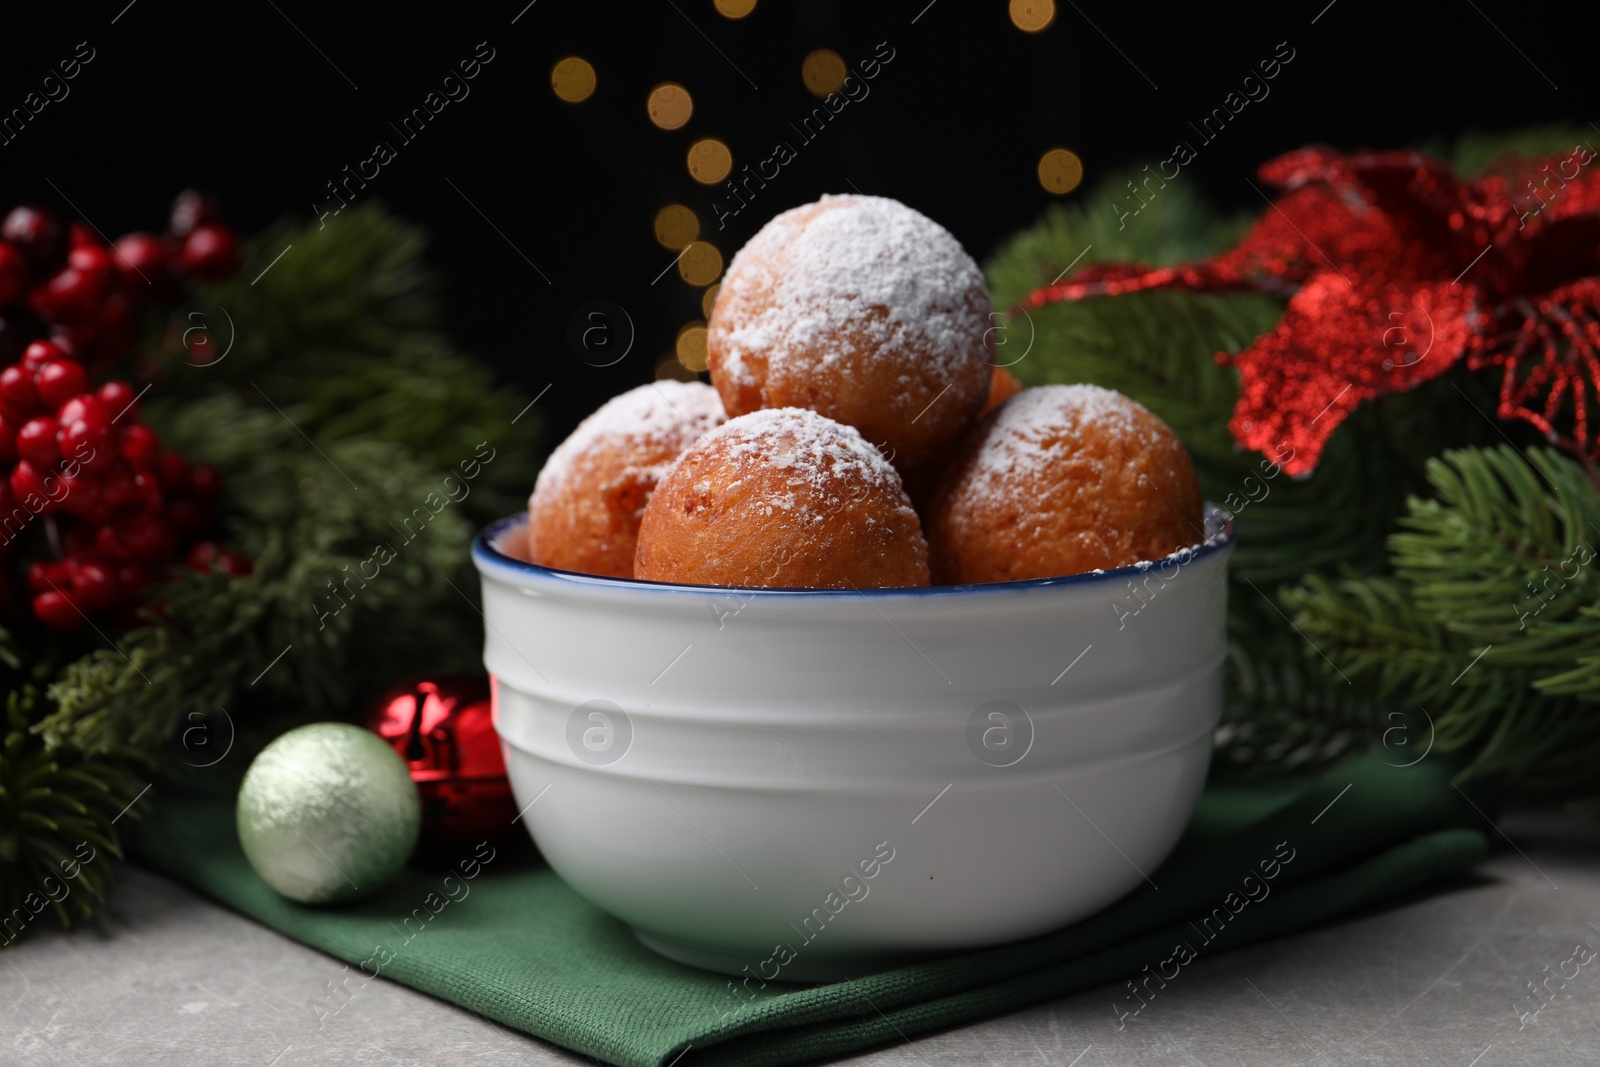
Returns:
<point x="523" y="949"/>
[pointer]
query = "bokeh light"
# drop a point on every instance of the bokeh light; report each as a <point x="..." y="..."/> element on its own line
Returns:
<point x="823" y="71"/>
<point x="1032" y="15"/>
<point x="1060" y="171"/>
<point x="735" y="9"/>
<point x="709" y="161"/>
<point x="700" y="264"/>
<point x="676" y="226"/>
<point x="708" y="299"/>
<point x="668" y="368"/>
<point x="573" y="79"/>
<point x="691" y="347"/>
<point x="669" y="105"/>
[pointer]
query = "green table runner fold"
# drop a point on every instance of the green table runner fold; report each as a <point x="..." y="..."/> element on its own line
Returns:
<point x="523" y="949"/>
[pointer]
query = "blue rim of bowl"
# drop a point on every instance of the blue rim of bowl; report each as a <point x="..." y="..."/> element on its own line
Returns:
<point x="486" y="557"/>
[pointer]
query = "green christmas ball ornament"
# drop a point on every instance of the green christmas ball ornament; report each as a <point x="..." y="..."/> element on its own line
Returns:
<point x="328" y="813"/>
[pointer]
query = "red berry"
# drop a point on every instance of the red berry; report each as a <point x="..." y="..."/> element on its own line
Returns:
<point x="94" y="587"/>
<point x="202" y="557"/>
<point x="37" y="234"/>
<point x="116" y="487"/>
<point x="145" y="536"/>
<point x="118" y="397"/>
<point x="190" y="209"/>
<point x="142" y="261"/>
<point x="71" y="294"/>
<point x="174" y="472"/>
<point x="13" y="273"/>
<point x="108" y="545"/>
<point x="140" y="446"/>
<point x="57" y="611"/>
<point x="86" y="444"/>
<point x="210" y="251"/>
<point x="91" y="259"/>
<point x="85" y="498"/>
<point x="26" y="481"/>
<point x="36" y="442"/>
<point x="8" y="439"/>
<point x="205" y="556"/>
<point x="85" y="408"/>
<point x="17" y="391"/>
<point x="48" y="574"/>
<point x="82" y="235"/>
<point x="147" y="490"/>
<point x="57" y="382"/>
<point x="41" y="352"/>
<point x="204" y="481"/>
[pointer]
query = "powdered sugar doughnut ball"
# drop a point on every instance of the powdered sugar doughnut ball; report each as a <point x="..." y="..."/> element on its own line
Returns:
<point x="863" y="310"/>
<point x="782" y="498"/>
<point x="1063" y="479"/>
<point x="585" y="508"/>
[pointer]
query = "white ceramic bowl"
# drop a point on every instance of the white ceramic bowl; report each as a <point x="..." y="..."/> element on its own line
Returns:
<point x="805" y="784"/>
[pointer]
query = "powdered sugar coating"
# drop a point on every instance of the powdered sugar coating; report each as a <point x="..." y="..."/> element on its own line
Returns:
<point x="657" y="420"/>
<point x="862" y="309"/>
<point x="1027" y="433"/>
<point x="1063" y="480"/>
<point x="585" y="507"/>
<point x="782" y="497"/>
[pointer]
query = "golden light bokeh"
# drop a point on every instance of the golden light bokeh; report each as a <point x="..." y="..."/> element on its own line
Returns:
<point x="700" y="264"/>
<point x="1060" y="171"/>
<point x="676" y="226"/>
<point x="691" y="347"/>
<point x="708" y="299"/>
<point x="824" y="72"/>
<point x="709" y="161"/>
<point x="735" y="9"/>
<point x="669" y="369"/>
<point x="1031" y="16"/>
<point x="669" y="105"/>
<point x="573" y="79"/>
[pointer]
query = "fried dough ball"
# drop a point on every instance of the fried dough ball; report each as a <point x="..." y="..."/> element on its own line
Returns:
<point x="585" y="508"/>
<point x="861" y="309"/>
<point x="1061" y="480"/>
<point x="782" y="498"/>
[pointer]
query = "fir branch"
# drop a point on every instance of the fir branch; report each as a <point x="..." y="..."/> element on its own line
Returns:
<point x="343" y="335"/>
<point x="1489" y="621"/>
<point x="58" y="814"/>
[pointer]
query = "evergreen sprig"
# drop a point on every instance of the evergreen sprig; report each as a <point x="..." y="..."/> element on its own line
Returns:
<point x="1490" y="621"/>
<point x="58" y="813"/>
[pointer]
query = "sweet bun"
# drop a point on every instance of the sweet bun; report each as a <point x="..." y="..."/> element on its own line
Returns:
<point x="782" y="498"/>
<point x="863" y="310"/>
<point x="1061" y="480"/>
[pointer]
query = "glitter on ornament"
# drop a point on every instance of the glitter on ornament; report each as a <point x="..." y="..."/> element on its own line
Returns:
<point x="1395" y="270"/>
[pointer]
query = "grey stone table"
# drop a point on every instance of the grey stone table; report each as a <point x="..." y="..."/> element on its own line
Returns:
<point x="167" y="977"/>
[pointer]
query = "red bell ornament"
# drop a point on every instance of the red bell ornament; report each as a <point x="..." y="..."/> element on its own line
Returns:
<point x="443" y="728"/>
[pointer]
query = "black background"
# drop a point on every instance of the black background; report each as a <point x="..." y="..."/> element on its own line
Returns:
<point x="266" y="101"/>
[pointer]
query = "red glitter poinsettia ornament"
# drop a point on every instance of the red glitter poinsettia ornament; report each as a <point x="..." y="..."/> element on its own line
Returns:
<point x="1395" y="271"/>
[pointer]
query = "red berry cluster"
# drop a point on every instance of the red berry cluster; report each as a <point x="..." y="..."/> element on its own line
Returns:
<point x="65" y="284"/>
<point x="115" y="507"/>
